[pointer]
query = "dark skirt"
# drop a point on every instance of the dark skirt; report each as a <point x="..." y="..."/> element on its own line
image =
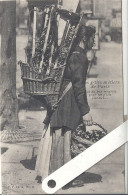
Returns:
<point x="61" y="148"/>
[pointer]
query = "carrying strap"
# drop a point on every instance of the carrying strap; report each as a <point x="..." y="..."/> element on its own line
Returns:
<point x="63" y="94"/>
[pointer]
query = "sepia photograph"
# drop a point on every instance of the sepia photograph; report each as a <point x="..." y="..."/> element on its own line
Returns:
<point x="61" y="91"/>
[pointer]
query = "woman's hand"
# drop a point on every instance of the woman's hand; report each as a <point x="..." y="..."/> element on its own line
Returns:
<point x="87" y="119"/>
<point x="45" y="126"/>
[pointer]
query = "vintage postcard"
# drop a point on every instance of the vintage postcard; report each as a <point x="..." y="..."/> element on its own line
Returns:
<point x="61" y="91"/>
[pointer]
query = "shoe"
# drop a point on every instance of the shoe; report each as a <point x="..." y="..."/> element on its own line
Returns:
<point x="77" y="183"/>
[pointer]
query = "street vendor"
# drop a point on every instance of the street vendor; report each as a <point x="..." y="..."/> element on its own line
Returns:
<point x="74" y="108"/>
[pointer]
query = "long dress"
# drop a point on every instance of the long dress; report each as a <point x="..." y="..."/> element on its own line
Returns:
<point x="65" y="118"/>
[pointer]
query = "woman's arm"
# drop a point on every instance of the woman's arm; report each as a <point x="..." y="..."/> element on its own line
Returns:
<point x="78" y="65"/>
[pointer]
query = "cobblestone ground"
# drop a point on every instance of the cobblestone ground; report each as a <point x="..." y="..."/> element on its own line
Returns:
<point x="18" y="158"/>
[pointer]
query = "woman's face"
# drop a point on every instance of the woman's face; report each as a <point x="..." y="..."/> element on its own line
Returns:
<point x="88" y="44"/>
<point x="91" y="41"/>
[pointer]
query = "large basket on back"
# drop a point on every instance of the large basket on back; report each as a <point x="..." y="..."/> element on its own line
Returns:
<point x="43" y="72"/>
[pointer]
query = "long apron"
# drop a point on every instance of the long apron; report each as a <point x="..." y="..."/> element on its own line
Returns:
<point x="54" y="151"/>
<point x="43" y="157"/>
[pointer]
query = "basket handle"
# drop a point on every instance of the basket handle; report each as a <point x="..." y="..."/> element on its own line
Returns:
<point x="95" y="123"/>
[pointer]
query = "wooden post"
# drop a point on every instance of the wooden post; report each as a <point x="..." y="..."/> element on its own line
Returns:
<point x="46" y="40"/>
<point x="34" y="32"/>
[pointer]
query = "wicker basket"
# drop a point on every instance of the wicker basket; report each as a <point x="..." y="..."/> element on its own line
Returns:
<point x="34" y="83"/>
<point x="43" y="77"/>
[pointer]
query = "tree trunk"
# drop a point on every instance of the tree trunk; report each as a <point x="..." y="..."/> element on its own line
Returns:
<point x="9" y="104"/>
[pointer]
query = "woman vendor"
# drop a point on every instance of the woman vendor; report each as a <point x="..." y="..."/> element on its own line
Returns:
<point x="73" y="109"/>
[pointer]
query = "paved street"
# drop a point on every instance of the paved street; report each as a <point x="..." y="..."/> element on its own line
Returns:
<point x="107" y="176"/>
